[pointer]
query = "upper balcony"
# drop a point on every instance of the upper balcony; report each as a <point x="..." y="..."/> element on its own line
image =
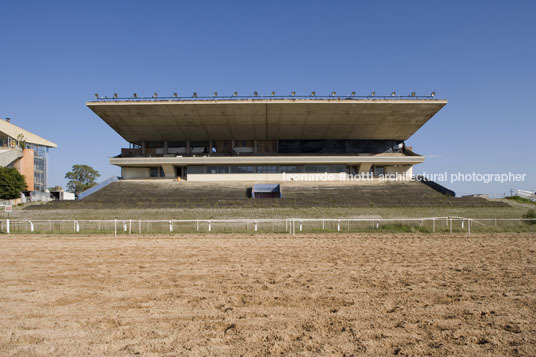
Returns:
<point x="267" y="148"/>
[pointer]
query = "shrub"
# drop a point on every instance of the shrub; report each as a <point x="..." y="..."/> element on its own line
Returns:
<point x="531" y="214"/>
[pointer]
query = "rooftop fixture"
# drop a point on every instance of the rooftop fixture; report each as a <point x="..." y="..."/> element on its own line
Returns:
<point x="393" y="94"/>
<point x="273" y="93"/>
<point x="194" y="95"/>
<point x="115" y="95"/>
<point x="353" y="94"/>
<point x="433" y="94"/>
<point x="333" y="94"/>
<point x="313" y="93"/>
<point x="175" y="94"/>
<point x="255" y="93"/>
<point x="135" y="95"/>
<point x="215" y="94"/>
<point x="97" y="95"/>
<point x="235" y="94"/>
<point x="293" y="93"/>
<point x="413" y="94"/>
<point x="372" y="94"/>
<point x="155" y="95"/>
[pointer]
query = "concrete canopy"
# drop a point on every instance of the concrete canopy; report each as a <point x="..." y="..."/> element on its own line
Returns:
<point x="262" y="119"/>
<point x="14" y="131"/>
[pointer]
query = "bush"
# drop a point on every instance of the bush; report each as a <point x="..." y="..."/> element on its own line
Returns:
<point x="12" y="183"/>
<point x="531" y="214"/>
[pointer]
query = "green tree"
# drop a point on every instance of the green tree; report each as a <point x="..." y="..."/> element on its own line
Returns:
<point x="81" y="178"/>
<point x="531" y="214"/>
<point x="55" y="188"/>
<point x="12" y="183"/>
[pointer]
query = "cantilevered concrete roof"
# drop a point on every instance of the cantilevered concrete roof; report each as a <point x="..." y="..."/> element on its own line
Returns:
<point x="14" y="131"/>
<point x="265" y="119"/>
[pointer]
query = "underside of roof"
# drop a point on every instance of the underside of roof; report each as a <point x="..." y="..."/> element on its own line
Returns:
<point x="375" y="119"/>
<point x="14" y="132"/>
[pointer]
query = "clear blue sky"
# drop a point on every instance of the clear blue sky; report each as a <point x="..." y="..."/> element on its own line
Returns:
<point x="480" y="55"/>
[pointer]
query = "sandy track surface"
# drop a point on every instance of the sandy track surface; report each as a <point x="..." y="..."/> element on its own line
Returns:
<point x="269" y="294"/>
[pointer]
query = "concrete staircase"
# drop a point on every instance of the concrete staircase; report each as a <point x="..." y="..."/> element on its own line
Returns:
<point x="7" y="156"/>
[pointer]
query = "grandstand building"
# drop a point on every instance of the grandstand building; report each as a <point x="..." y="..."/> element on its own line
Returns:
<point x="264" y="138"/>
<point x="26" y="152"/>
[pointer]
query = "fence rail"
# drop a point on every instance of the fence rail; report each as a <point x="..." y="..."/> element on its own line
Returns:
<point x="281" y="225"/>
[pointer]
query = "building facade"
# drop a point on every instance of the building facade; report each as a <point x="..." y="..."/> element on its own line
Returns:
<point x="262" y="138"/>
<point x="26" y="152"/>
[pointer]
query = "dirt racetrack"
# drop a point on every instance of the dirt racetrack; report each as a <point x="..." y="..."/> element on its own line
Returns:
<point x="396" y="294"/>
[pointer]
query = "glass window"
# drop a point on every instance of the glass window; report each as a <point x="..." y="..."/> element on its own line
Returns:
<point x="242" y="169"/>
<point x="288" y="168"/>
<point x="196" y="169"/>
<point x="337" y="168"/>
<point x="378" y="170"/>
<point x="267" y="169"/>
<point x="157" y="172"/>
<point x="218" y="169"/>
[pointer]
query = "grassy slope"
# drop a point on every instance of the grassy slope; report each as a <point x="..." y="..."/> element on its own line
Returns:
<point x="170" y="200"/>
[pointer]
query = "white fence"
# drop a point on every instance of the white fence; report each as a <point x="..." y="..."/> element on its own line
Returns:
<point x="283" y="225"/>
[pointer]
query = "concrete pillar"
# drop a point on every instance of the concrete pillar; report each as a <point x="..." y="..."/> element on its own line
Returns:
<point x="255" y="146"/>
<point x="209" y="147"/>
<point x="188" y="149"/>
<point x="165" y="147"/>
<point x="169" y="171"/>
<point x="364" y="167"/>
<point x="143" y="147"/>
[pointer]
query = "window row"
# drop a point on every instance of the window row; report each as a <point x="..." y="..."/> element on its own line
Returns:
<point x="265" y="169"/>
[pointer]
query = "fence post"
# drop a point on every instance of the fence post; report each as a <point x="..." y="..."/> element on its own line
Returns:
<point x="139" y="226"/>
<point x="323" y="224"/>
<point x="170" y="226"/>
<point x="469" y="226"/>
<point x="255" y="225"/>
<point x="301" y="224"/>
<point x="433" y="225"/>
<point x="77" y="227"/>
<point x="7" y="226"/>
<point x="197" y="225"/>
<point x="209" y="226"/>
<point x="31" y="226"/>
<point x="115" y="227"/>
<point x="450" y="225"/>
<point x="129" y="226"/>
<point x="338" y="226"/>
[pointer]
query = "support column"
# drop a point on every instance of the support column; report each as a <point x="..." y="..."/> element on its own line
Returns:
<point x="165" y="147"/>
<point x="255" y="146"/>
<point x="169" y="171"/>
<point x="143" y="147"/>
<point x="188" y="150"/>
<point x="364" y="167"/>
